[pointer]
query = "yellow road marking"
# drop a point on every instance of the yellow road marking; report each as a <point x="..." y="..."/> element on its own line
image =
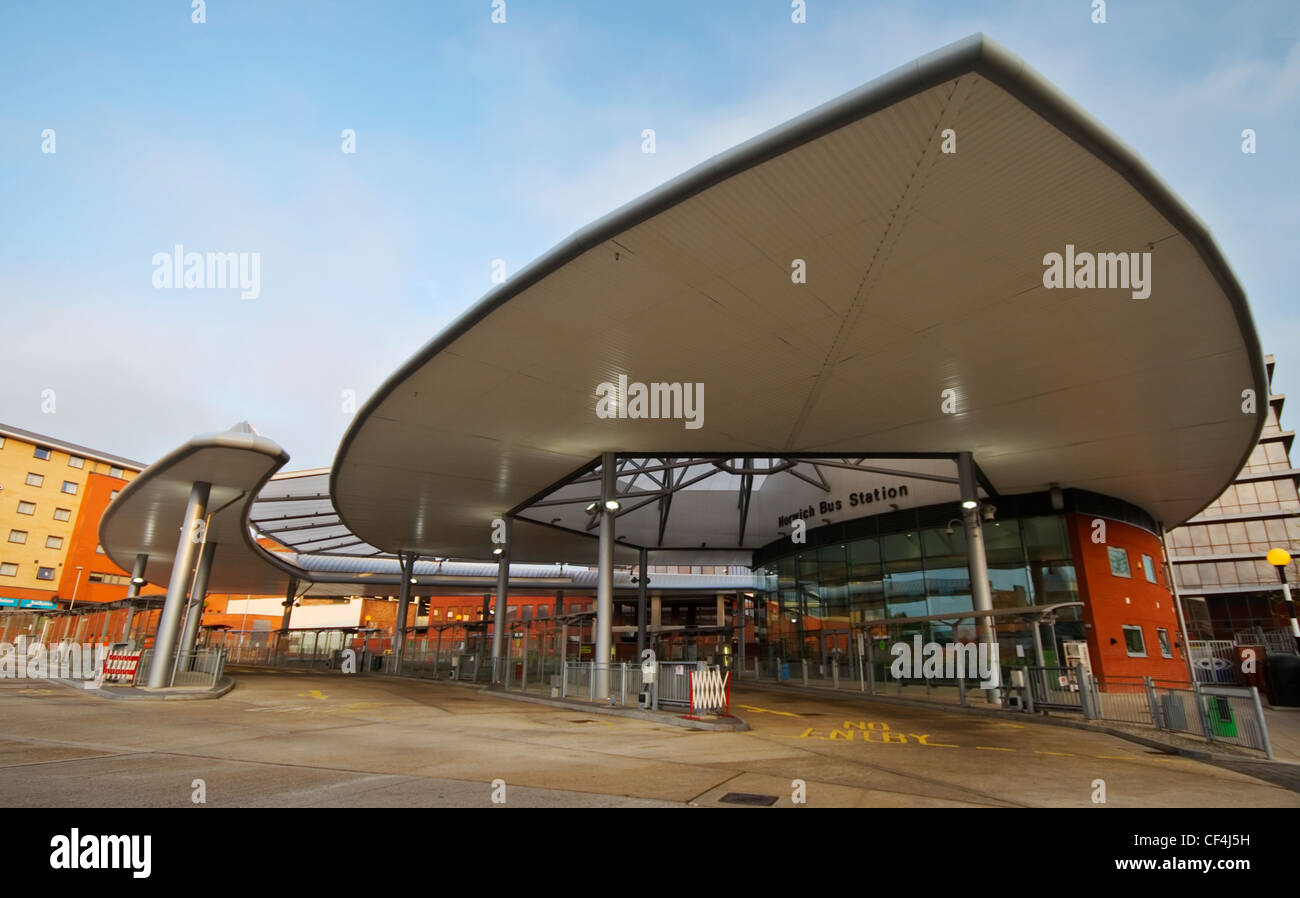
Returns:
<point x="758" y="710"/>
<point x="993" y="748"/>
<point x="1017" y="726"/>
<point x="315" y="693"/>
<point x="35" y="691"/>
<point x="1061" y="754"/>
<point x="1117" y="757"/>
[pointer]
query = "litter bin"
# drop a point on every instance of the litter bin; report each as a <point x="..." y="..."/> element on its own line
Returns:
<point x="785" y="670"/>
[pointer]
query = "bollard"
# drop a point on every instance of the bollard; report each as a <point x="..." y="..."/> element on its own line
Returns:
<point x="803" y="663"/>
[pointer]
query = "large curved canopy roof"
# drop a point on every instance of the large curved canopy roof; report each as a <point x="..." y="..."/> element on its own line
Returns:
<point x="925" y="273"/>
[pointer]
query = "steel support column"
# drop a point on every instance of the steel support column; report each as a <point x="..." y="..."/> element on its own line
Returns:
<point x="133" y="590"/>
<point x="642" y="600"/>
<point x="605" y="576"/>
<point x="981" y="591"/>
<point x="290" y="593"/>
<point x="164" y="648"/>
<point x="1178" y="603"/>
<point x="403" y="606"/>
<point x="502" y="603"/>
<point x="198" y="592"/>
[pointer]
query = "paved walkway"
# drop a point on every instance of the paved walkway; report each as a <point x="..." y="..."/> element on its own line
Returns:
<point x="301" y="739"/>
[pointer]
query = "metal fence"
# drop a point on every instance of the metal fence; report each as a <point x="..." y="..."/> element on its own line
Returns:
<point x="1276" y="641"/>
<point x="200" y="667"/>
<point x="1226" y="714"/>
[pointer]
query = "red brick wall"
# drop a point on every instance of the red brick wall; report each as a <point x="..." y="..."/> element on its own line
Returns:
<point x="1111" y="601"/>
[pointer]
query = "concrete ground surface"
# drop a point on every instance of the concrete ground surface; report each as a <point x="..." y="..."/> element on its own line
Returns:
<point x="311" y="740"/>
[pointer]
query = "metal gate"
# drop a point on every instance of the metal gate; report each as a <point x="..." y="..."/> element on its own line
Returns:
<point x="1055" y="687"/>
<point x="1213" y="660"/>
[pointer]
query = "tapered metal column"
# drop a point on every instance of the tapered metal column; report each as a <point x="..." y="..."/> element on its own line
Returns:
<point x="403" y="605"/>
<point x="605" y="575"/>
<point x="642" y="601"/>
<point x="133" y="590"/>
<point x="198" y="592"/>
<point x="164" y="646"/>
<point x="981" y="591"/>
<point x="290" y="593"/>
<point x="502" y="603"/>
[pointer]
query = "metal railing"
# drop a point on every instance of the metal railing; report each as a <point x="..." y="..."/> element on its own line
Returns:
<point x="199" y="667"/>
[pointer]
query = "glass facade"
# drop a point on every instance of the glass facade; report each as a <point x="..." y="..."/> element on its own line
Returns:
<point x="817" y="598"/>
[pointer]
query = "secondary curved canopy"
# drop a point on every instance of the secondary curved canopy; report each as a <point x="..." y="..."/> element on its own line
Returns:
<point x="920" y="209"/>
<point x="147" y="515"/>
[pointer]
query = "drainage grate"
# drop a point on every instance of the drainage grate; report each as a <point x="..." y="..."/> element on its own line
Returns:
<point x="752" y="799"/>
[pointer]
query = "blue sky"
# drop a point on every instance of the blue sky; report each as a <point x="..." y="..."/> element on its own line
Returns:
<point x="478" y="141"/>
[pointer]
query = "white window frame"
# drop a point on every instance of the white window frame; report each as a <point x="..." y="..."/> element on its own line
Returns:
<point x="71" y="483"/>
<point x="56" y="540"/>
<point x="39" y="481"/>
<point x="31" y="507"/>
<point x="1141" y="635"/>
<point x="76" y="461"/>
<point x="67" y="514"/>
<point x="1166" y="645"/>
<point x="1110" y="550"/>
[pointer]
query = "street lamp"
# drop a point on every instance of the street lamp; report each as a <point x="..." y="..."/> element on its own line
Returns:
<point x="1280" y="558"/>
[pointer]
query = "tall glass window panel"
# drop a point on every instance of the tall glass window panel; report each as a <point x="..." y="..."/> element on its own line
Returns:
<point x="947" y="578"/>
<point x="904" y="577"/>
<point x="866" y="583"/>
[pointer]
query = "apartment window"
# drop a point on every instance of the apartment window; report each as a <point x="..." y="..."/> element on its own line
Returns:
<point x="35" y="479"/>
<point x="62" y="514"/>
<point x="8" y="569"/>
<point x="76" y="461"/>
<point x="114" y="472"/>
<point x="1165" y="649"/>
<point x="1149" y="568"/>
<point x="1134" y="642"/>
<point x="99" y="550"/>
<point x="110" y="579"/>
<point x="42" y="453"/>
<point x="69" y="487"/>
<point x="113" y="495"/>
<point x="26" y="507"/>
<point x="54" y="542"/>
<point x="18" y="536"/>
<point x="1118" y="562"/>
<point x="45" y="573"/>
<point x="2" y="442"/>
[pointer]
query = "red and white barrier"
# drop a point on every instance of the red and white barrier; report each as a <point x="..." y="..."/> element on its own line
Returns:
<point x="120" y="667"/>
<point x="710" y="693"/>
